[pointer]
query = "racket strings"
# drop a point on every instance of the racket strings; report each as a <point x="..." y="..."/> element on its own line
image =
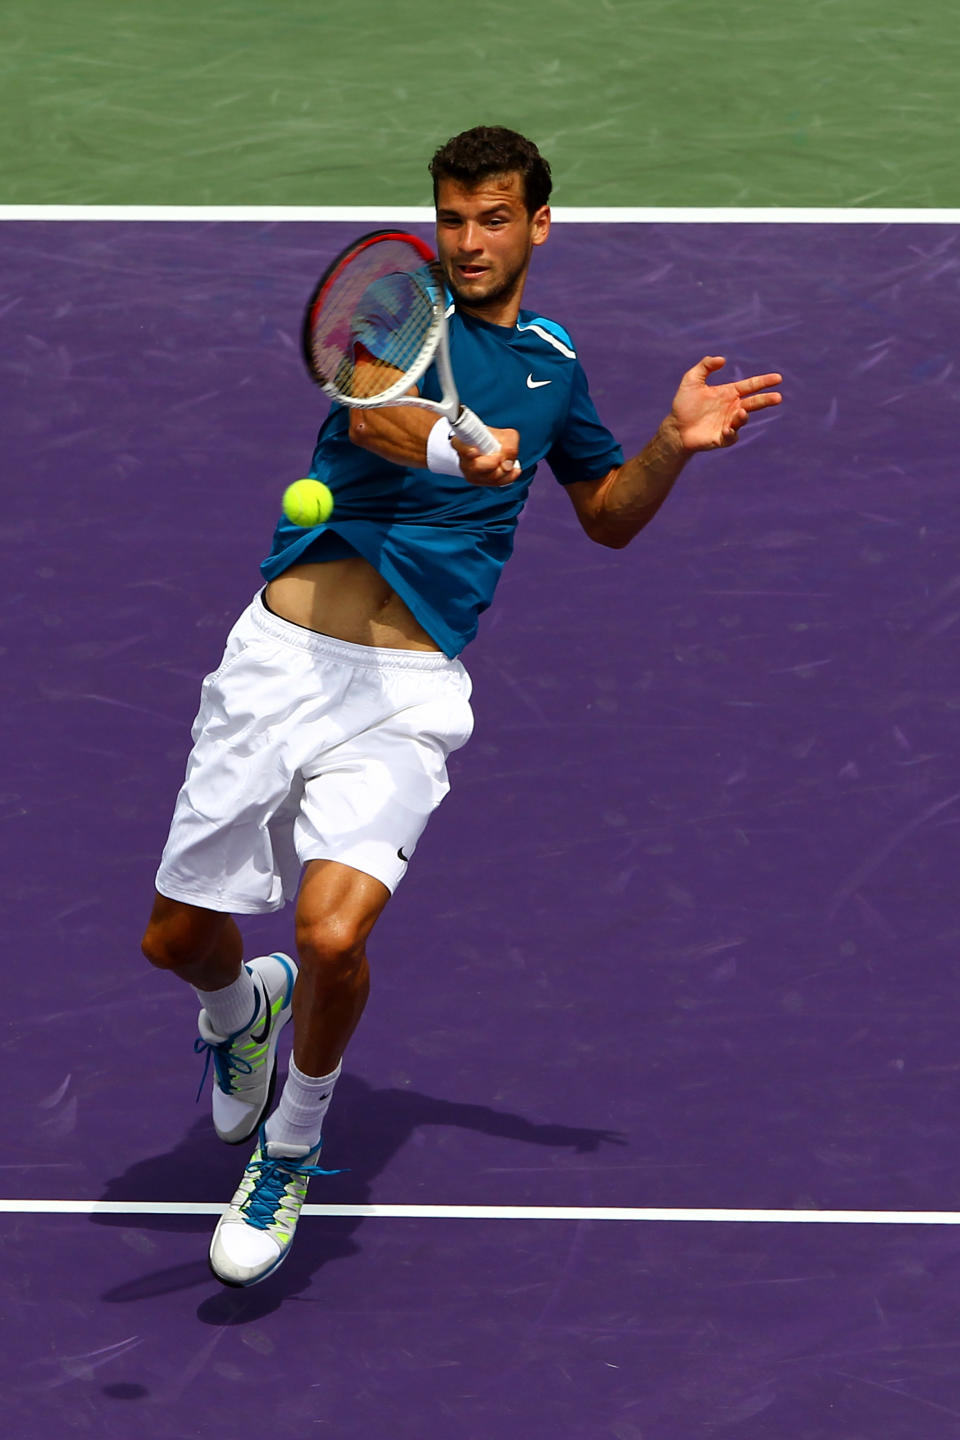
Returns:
<point x="373" y="320"/>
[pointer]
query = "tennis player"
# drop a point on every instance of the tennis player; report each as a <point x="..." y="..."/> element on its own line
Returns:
<point x="321" y="742"/>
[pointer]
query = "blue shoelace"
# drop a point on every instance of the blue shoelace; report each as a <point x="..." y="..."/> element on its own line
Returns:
<point x="225" y="1064"/>
<point x="261" y="1206"/>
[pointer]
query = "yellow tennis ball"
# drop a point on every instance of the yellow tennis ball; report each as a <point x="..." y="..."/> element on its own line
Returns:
<point x="307" y="503"/>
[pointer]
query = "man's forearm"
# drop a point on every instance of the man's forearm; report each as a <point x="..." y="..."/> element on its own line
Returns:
<point x="633" y="494"/>
<point x="397" y="433"/>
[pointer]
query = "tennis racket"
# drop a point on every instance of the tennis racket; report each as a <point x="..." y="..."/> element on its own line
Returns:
<point x="375" y="323"/>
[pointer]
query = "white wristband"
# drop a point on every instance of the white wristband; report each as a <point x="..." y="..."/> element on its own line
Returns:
<point x="442" y="459"/>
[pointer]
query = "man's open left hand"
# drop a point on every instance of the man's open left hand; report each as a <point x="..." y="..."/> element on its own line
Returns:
<point x="709" y="417"/>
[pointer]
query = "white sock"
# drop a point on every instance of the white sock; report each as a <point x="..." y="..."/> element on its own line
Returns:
<point x="233" y="1008"/>
<point x="298" y="1119"/>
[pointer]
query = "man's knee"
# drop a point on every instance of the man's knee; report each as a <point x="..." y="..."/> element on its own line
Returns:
<point x="336" y="911"/>
<point x="179" y="935"/>
<point x="333" y="947"/>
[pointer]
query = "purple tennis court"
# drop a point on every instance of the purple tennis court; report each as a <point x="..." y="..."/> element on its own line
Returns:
<point x="683" y="937"/>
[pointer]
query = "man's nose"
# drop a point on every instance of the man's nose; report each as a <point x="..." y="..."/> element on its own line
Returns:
<point x="471" y="238"/>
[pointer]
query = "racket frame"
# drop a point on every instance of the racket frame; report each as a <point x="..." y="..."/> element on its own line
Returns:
<point x="465" y="425"/>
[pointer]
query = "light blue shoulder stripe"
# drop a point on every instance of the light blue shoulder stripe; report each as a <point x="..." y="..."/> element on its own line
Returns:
<point x="553" y="333"/>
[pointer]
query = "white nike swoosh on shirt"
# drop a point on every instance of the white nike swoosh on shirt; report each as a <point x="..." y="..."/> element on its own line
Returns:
<point x="535" y="384"/>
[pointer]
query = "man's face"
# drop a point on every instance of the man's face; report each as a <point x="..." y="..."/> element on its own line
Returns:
<point x="484" y="240"/>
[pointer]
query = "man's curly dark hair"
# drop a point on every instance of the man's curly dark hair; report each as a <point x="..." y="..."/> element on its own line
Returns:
<point x="489" y="150"/>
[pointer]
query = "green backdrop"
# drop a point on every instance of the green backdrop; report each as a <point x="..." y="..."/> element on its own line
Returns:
<point x="635" y="102"/>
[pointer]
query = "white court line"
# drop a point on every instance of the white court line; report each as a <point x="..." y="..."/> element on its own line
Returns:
<point x="503" y="1212"/>
<point x="590" y="215"/>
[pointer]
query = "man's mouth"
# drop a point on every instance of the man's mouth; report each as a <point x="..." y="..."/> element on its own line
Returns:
<point x="471" y="272"/>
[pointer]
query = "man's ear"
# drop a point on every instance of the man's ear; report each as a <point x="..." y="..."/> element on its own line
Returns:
<point x="540" y="224"/>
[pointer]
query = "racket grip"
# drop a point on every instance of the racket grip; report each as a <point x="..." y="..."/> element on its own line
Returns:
<point x="470" y="429"/>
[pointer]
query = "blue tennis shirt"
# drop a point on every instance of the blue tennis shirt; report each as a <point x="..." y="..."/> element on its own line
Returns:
<point x="437" y="540"/>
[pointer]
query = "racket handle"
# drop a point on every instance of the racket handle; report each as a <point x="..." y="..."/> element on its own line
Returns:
<point x="471" y="430"/>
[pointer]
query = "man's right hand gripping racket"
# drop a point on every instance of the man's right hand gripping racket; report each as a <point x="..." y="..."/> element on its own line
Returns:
<point x="374" y="324"/>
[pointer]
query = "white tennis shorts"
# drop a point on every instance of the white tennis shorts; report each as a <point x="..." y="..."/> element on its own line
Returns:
<point x="309" y="748"/>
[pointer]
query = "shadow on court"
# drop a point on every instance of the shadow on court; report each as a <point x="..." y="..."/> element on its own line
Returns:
<point x="383" y="1120"/>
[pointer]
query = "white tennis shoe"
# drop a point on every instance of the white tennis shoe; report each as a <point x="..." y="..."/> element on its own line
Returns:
<point x="245" y="1063"/>
<point x="255" y="1232"/>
